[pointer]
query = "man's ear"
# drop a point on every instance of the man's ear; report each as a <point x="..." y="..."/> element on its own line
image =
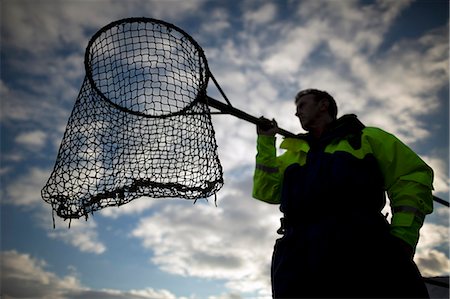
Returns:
<point x="324" y="104"/>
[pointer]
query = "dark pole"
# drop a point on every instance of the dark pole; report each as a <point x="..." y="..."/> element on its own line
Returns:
<point x="441" y="201"/>
<point x="242" y="115"/>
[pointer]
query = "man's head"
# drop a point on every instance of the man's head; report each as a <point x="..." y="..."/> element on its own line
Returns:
<point x="315" y="109"/>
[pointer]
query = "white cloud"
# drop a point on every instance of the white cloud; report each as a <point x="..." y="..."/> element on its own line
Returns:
<point x="81" y="234"/>
<point x="287" y="54"/>
<point x="232" y="242"/>
<point x="33" y="140"/>
<point x="5" y="170"/>
<point x="433" y="235"/>
<point x="226" y="296"/>
<point x="46" y="40"/>
<point x="220" y="23"/>
<point x="151" y="293"/>
<point x="430" y="260"/>
<point x="360" y="24"/>
<point x="172" y="10"/>
<point x="148" y="293"/>
<point x="406" y="80"/>
<point x="338" y="53"/>
<point x="261" y="15"/>
<point x="25" y="190"/>
<point x="4" y="90"/>
<point x="37" y="27"/>
<point x="135" y="207"/>
<point x="44" y="102"/>
<point x="433" y="263"/>
<point x="440" y="168"/>
<point x="24" y="276"/>
<point x="366" y="82"/>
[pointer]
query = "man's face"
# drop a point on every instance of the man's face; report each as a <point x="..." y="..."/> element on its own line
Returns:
<point x="308" y="111"/>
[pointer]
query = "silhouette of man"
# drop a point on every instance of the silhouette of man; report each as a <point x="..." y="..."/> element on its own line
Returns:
<point x="331" y="184"/>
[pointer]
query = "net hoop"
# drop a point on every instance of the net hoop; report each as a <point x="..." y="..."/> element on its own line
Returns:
<point x="204" y="71"/>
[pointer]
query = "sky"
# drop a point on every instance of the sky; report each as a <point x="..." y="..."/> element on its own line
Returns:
<point x="386" y="61"/>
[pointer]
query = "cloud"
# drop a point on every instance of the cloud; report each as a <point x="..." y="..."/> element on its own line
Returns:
<point x="33" y="140"/>
<point x="45" y="43"/>
<point x="342" y="53"/>
<point x="401" y="100"/>
<point x="172" y="9"/>
<point x="386" y="84"/>
<point x="361" y="24"/>
<point x="37" y="27"/>
<point x="221" y="23"/>
<point x="345" y="28"/>
<point x="433" y="263"/>
<point x="81" y="234"/>
<point x="261" y="15"/>
<point x="433" y="235"/>
<point x="430" y="260"/>
<point x="440" y="168"/>
<point x="148" y="293"/>
<point x="135" y="207"/>
<point x="232" y="242"/>
<point x="24" y="276"/>
<point x="226" y="296"/>
<point x="24" y="191"/>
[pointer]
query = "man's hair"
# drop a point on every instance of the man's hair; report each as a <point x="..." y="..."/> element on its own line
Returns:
<point x="319" y="95"/>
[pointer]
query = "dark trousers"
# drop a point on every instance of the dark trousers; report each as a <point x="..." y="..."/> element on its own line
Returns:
<point x="354" y="269"/>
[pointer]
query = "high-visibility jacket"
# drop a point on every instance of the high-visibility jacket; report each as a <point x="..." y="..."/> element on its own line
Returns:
<point x="348" y="167"/>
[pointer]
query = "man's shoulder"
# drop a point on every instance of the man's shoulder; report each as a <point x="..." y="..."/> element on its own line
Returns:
<point x="376" y="132"/>
<point x="295" y="144"/>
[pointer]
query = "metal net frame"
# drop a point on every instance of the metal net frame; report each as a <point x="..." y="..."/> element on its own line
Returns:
<point x="140" y="125"/>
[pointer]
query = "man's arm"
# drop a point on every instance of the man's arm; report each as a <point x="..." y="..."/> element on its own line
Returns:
<point x="408" y="181"/>
<point x="267" y="176"/>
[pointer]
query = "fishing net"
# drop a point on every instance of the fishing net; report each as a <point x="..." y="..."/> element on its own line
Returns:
<point x="140" y="125"/>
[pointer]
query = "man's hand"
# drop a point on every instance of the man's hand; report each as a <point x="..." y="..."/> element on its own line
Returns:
<point x="267" y="127"/>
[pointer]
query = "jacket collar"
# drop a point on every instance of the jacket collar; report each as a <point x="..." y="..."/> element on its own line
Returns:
<point x="346" y="125"/>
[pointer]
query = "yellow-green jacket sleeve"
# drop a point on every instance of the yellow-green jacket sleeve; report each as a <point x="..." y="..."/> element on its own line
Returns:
<point x="267" y="178"/>
<point x="408" y="181"/>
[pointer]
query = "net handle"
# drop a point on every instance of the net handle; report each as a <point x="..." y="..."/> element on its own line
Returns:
<point x="441" y="201"/>
<point x="228" y="109"/>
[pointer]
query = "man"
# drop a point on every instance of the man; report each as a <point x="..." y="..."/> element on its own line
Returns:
<point x="331" y="184"/>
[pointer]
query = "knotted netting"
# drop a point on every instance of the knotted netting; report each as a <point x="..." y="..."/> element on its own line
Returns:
<point x="140" y="125"/>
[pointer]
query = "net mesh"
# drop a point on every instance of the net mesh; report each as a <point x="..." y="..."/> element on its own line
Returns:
<point x="138" y="127"/>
